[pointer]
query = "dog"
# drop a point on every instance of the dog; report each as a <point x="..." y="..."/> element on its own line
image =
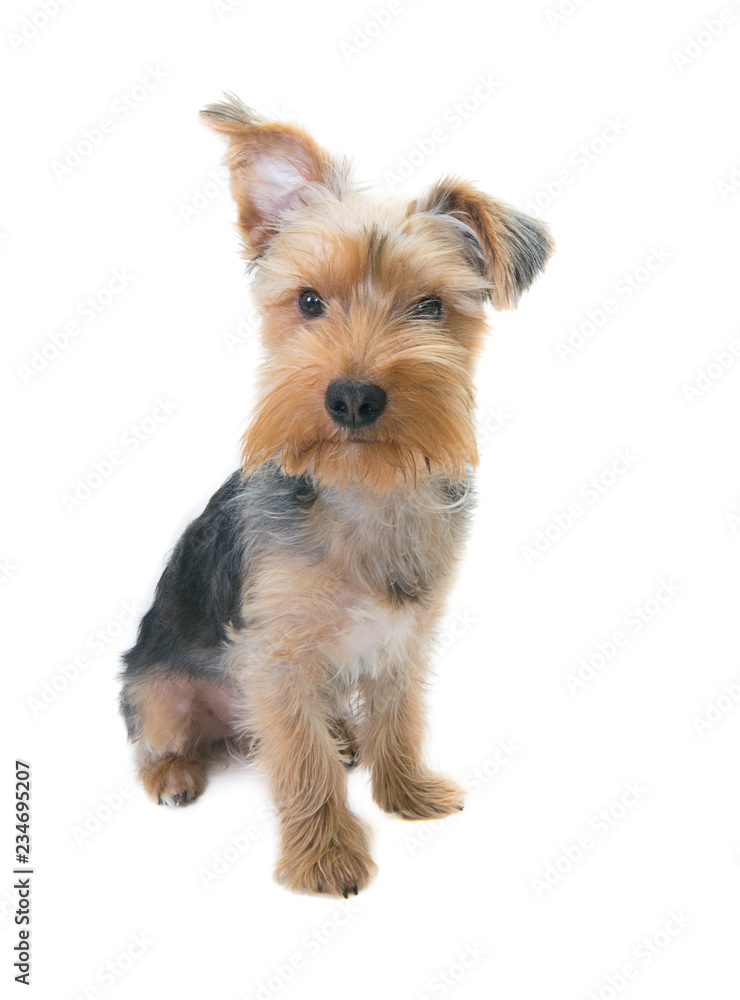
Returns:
<point x="294" y="619"/>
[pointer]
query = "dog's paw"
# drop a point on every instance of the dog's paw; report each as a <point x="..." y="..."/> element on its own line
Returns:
<point x="173" y="780"/>
<point x="339" y="870"/>
<point x="425" y="795"/>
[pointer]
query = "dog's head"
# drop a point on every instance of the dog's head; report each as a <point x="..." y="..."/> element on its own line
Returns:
<point x="373" y="310"/>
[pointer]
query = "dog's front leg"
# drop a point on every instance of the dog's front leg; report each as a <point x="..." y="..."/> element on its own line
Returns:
<point x="323" y="846"/>
<point x="390" y="741"/>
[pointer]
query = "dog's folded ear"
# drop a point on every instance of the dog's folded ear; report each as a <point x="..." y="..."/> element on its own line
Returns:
<point x="511" y="248"/>
<point x="275" y="167"/>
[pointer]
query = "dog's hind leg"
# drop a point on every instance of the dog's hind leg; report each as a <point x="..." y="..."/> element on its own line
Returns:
<point x="181" y="726"/>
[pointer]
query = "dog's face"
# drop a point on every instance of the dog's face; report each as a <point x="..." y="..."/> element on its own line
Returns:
<point x="373" y="311"/>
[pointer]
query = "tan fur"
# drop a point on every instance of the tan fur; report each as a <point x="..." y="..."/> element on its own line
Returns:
<point x="492" y="221"/>
<point x="339" y="608"/>
<point x="319" y="635"/>
<point x="254" y="145"/>
<point x="186" y="727"/>
<point x="324" y="848"/>
<point x="366" y="334"/>
<point x="390" y="742"/>
<point x="173" y="779"/>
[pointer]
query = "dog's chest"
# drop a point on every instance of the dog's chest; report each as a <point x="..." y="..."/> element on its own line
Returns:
<point x="357" y="584"/>
<point x="400" y="548"/>
<point x="371" y="638"/>
<point x="390" y="560"/>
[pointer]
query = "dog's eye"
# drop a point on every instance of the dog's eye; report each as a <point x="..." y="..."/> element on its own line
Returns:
<point x="429" y="308"/>
<point x="310" y="302"/>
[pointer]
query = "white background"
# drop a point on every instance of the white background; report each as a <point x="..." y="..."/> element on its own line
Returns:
<point x="656" y="186"/>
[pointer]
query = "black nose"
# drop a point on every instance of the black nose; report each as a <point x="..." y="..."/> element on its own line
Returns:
<point x="354" y="404"/>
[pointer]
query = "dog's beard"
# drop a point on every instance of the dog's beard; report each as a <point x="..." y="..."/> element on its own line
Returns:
<point x="376" y="464"/>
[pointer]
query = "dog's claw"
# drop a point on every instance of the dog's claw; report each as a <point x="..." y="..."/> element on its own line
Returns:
<point x="354" y="888"/>
<point x="159" y="800"/>
<point x="345" y="893"/>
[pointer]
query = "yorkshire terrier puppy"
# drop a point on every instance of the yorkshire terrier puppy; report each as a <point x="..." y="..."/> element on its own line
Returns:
<point x="295" y="616"/>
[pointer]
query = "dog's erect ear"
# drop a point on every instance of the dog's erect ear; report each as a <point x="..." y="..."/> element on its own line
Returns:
<point x="275" y="167"/>
<point x="511" y="248"/>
